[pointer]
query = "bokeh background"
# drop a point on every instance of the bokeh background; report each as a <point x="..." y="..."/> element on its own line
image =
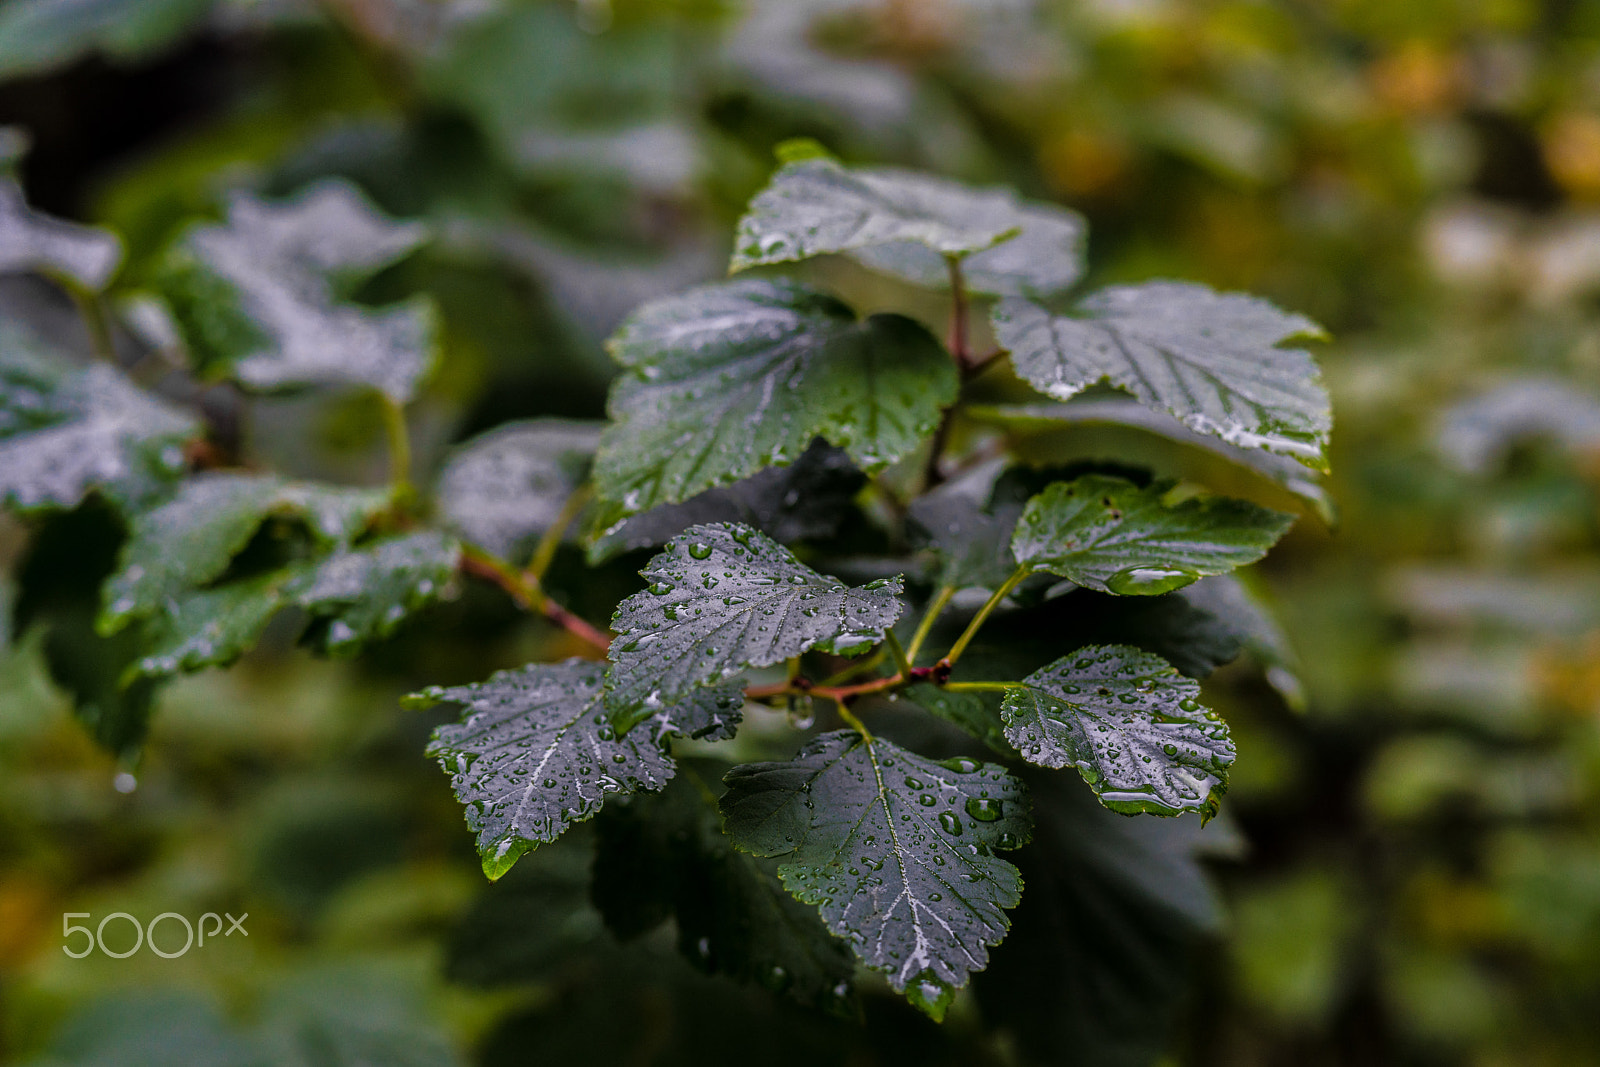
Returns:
<point x="1411" y="874"/>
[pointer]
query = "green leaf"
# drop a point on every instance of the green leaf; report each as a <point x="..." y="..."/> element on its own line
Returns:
<point x="894" y="848"/>
<point x="727" y="380"/>
<point x="39" y="35"/>
<point x="504" y="488"/>
<point x="809" y="500"/>
<point x="815" y="207"/>
<point x="1044" y="259"/>
<point x="535" y="753"/>
<point x="666" y="857"/>
<point x="353" y="596"/>
<point x="190" y="540"/>
<point x="362" y="594"/>
<point x="723" y="597"/>
<point x="1109" y="534"/>
<point x="1132" y="725"/>
<point x="32" y="241"/>
<point x="1212" y="360"/>
<point x="256" y="297"/>
<point x="212" y="627"/>
<point x="66" y="430"/>
<point x="1291" y="475"/>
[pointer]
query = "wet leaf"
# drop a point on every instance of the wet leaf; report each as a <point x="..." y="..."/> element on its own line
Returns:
<point x="723" y="597"/>
<point x="536" y="753"/>
<point x="1212" y="360"/>
<point x="189" y="541"/>
<point x="972" y="542"/>
<point x="1293" y="476"/>
<point x="809" y="500"/>
<point x="33" y="241"/>
<point x="969" y="711"/>
<point x="667" y="857"/>
<point x="67" y="430"/>
<point x="725" y="381"/>
<point x="256" y="296"/>
<point x="817" y="206"/>
<point x="1132" y="725"/>
<point x="905" y="223"/>
<point x="504" y="488"/>
<point x="896" y="850"/>
<point x="1109" y="534"/>
<point x="363" y="594"/>
<point x="354" y="595"/>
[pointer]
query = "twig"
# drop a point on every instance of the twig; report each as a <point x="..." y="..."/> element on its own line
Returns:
<point x="528" y="594"/>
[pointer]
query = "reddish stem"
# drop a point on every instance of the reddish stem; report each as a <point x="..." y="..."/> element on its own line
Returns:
<point x="530" y="597"/>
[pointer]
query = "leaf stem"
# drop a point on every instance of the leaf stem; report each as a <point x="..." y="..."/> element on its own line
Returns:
<point x="544" y="553"/>
<point x="850" y="719"/>
<point x="958" y="312"/>
<point x="901" y="663"/>
<point x="983" y="614"/>
<point x="930" y="615"/>
<point x="857" y="668"/>
<point x="394" y="426"/>
<point x="525" y="589"/>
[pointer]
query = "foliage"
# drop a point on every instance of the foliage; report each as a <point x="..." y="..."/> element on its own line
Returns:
<point x="934" y="489"/>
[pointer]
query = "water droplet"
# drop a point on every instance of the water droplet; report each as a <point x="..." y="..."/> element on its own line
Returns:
<point x="700" y="550"/>
<point x="1149" y="581"/>
<point x="984" y="809"/>
<point x="950" y="824"/>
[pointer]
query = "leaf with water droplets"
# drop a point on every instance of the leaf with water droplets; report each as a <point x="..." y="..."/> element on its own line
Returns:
<point x="895" y="849"/>
<point x="256" y="296"/>
<point x="723" y="597"/>
<point x="362" y="594"/>
<point x="190" y="540"/>
<point x="1213" y="360"/>
<point x="504" y="488"/>
<point x="536" y="753"/>
<point x="725" y="381"/>
<point x="1109" y="534"/>
<point x="353" y="595"/>
<point x="809" y="500"/>
<point x="32" y="241"/>
<point x="665" y="856"/>
<point x="67" y="430"/>
<point x="1132" y="725"/>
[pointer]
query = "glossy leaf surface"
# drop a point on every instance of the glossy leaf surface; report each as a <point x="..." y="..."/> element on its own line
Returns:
<point x="725" y="381"/>
<point x="724" y="597"/>
<point x="1212" y="360"/>
<point x="1109" y="534"/>
<point x="896" y="850"/>
<point x="1132" y="725"/>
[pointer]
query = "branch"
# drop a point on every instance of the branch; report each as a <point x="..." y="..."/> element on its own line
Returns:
<point x="529" y="595"/>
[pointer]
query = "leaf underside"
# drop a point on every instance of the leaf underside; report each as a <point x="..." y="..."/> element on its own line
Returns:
<point x="723" y="597"/>
<point x="895" y="849"/>
<point x="1132" y="725"/>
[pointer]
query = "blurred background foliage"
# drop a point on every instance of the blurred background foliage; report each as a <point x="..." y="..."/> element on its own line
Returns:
<point x="1413" y="870"/>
